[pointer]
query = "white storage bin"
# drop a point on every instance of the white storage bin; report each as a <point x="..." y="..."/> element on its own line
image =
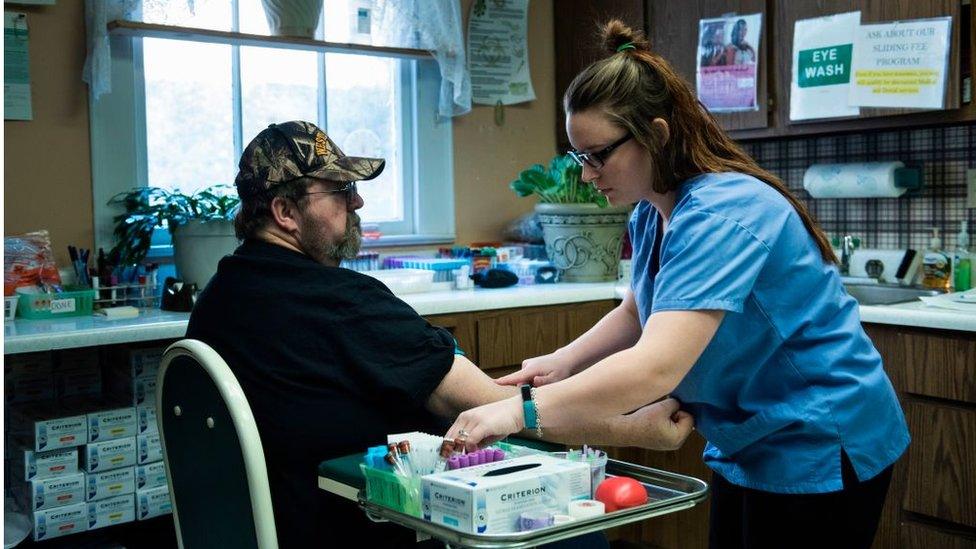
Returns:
<point x="404" y="281"/>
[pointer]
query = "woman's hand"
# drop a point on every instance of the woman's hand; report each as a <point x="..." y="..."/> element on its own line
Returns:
<point x="539" y="371"/>
<point x="486" y="424"/>
<point x="659" y="426"/>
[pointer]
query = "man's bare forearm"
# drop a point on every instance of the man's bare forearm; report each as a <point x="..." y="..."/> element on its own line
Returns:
<point x="464" y="387"/>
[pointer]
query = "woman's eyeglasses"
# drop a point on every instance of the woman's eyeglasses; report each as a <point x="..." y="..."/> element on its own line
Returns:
<point x="348" y="188"/>
<point x="598" y="159"/>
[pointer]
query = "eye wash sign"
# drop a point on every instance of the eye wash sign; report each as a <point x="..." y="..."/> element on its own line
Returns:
<point x="825" y="66"/>
<point x="822" y="51"/>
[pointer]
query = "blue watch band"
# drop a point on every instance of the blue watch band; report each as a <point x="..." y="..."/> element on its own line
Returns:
<point x="528" y="407"/>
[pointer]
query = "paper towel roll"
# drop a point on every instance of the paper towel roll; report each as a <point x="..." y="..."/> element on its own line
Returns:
<point x="858" y="180"/>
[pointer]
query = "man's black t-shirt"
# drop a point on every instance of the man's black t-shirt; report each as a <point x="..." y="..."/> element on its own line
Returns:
<point x="331" y="362"/>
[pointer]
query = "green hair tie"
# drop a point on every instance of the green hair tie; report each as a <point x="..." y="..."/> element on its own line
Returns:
<point x="627" y="46"/>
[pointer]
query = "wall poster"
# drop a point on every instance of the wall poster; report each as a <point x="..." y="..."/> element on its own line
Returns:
<point x="728" y="62"/>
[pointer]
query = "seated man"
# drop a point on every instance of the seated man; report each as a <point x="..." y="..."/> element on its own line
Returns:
<point x="330" y="360"/>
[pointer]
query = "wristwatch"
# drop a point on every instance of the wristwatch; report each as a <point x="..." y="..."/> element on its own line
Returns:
<point x="528" y="407"/>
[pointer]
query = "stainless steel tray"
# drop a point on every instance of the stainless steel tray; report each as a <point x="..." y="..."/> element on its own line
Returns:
<point x="667" y="493"/>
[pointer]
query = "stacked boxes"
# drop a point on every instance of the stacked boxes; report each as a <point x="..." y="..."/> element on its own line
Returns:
<point x="150" y="475"/>
<point x="109" y="454"/>
<point x="111" y="511"/>
<point x="111" y="424"/>
<point x="79" y="374"/>
<point x="134" y="382"/>
<point x="28" y="378"/>
<point x="149" y="449"/>
<point x="45" y="429"/>
<point x="111" y="483"/>
<point x="29" y="464"/>
<point x="153" y="502"/>
<point x="79" y="459"/>
<point x="60" y="521"/>
<point x="47" y="493"/>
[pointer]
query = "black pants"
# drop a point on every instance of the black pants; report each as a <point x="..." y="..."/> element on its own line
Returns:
<point x="742" y="518"/>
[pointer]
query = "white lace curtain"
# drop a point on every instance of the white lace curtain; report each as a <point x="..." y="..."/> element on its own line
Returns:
<point x="434" y="25"/>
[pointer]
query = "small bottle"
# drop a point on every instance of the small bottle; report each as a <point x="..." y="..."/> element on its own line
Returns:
<point x="936" y="265"/>
<point x="962" y="261"/>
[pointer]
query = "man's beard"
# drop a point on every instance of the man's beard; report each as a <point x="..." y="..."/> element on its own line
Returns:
<point x="331" y="253"/>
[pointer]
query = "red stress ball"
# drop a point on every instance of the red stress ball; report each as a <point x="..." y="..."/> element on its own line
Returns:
<point x="621" y="493"/>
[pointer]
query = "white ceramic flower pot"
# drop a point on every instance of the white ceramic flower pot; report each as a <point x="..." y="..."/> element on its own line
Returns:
<point x="198" y="247"/>
<point x="583" y="240"/>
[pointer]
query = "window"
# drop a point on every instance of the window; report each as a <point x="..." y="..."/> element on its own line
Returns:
<point x="182" y="125"/>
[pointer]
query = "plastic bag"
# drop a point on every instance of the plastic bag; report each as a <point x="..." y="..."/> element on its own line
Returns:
<point x="29" y="261"/>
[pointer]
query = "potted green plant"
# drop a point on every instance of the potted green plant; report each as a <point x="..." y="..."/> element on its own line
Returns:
<point x="583" y="234"/>
<point x="201" y="225"/>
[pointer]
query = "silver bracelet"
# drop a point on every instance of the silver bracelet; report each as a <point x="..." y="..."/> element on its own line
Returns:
<point x="538" y="415"/>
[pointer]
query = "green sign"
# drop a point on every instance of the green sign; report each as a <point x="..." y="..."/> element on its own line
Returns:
<point x="825" y="66"/>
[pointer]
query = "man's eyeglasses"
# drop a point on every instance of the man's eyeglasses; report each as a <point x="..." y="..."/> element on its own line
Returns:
<point x="348" y="188"/>
<point x="599" y="158"/>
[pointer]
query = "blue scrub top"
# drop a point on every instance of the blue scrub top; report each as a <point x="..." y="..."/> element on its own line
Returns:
<point x="790" y="377"/>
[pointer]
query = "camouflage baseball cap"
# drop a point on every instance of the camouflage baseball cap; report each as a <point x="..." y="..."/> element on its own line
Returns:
<point x="288" y="151"/>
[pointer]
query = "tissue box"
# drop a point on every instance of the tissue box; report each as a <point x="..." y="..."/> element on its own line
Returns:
<point x="110" y="454"/>
<point x="150" y="475"/>
<point x="60" y="521"/>
<point x="488" y="499"/>
<point x="45" y="430"/>
<point x="153" y="502"/>
<point x="146" y="419"/>
<point x="150" y="449"/>
<point x="109" y="512"/>
<point x="134" y="391"/>
<point x="111" y="483"/>
<point x="138" y="363"/>
<point x="112" y="424"/>
<point x="45" y="464"/>
<point x="46" y="493"/>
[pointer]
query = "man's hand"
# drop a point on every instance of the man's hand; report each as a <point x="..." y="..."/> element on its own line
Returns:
<point x="659" y="426"/>
<point x="539" y="371"/>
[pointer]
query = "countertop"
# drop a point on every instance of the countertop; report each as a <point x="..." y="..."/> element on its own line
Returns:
<point x="24" y="336"/>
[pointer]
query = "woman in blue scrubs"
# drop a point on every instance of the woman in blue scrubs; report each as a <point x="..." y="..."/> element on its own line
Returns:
<point x="736" y="309"/>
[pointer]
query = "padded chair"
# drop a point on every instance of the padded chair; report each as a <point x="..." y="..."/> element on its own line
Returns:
<point x="218" y="480"/>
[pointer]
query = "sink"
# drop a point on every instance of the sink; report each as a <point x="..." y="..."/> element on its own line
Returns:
<point x="883" y="294"/>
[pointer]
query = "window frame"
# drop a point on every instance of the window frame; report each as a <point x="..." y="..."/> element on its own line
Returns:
<point x="119" y="148"/>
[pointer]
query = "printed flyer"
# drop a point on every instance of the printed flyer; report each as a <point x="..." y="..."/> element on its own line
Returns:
<point x="728" y="62"/>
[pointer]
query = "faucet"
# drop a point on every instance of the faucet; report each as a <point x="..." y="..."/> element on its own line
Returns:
<point x="846" y="251"/>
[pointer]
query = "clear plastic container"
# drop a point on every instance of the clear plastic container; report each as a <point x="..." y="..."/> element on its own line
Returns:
<point x="598" y="467"/>
<point x="391" y="490"/>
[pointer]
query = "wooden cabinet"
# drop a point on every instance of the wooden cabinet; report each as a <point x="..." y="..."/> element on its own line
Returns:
<point x="498" y="341"/>
<point x="682" y="530"/>
<point x="577" y="43"/>
<point x="785" y="13"/>
<point x="673" y="30"/>
<point x="672" y="27"/>
<point x="930" y="503"/>
<point x="941" y="468"/>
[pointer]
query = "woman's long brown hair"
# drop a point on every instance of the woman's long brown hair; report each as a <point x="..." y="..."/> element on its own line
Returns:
<point x="635" y="86"/>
